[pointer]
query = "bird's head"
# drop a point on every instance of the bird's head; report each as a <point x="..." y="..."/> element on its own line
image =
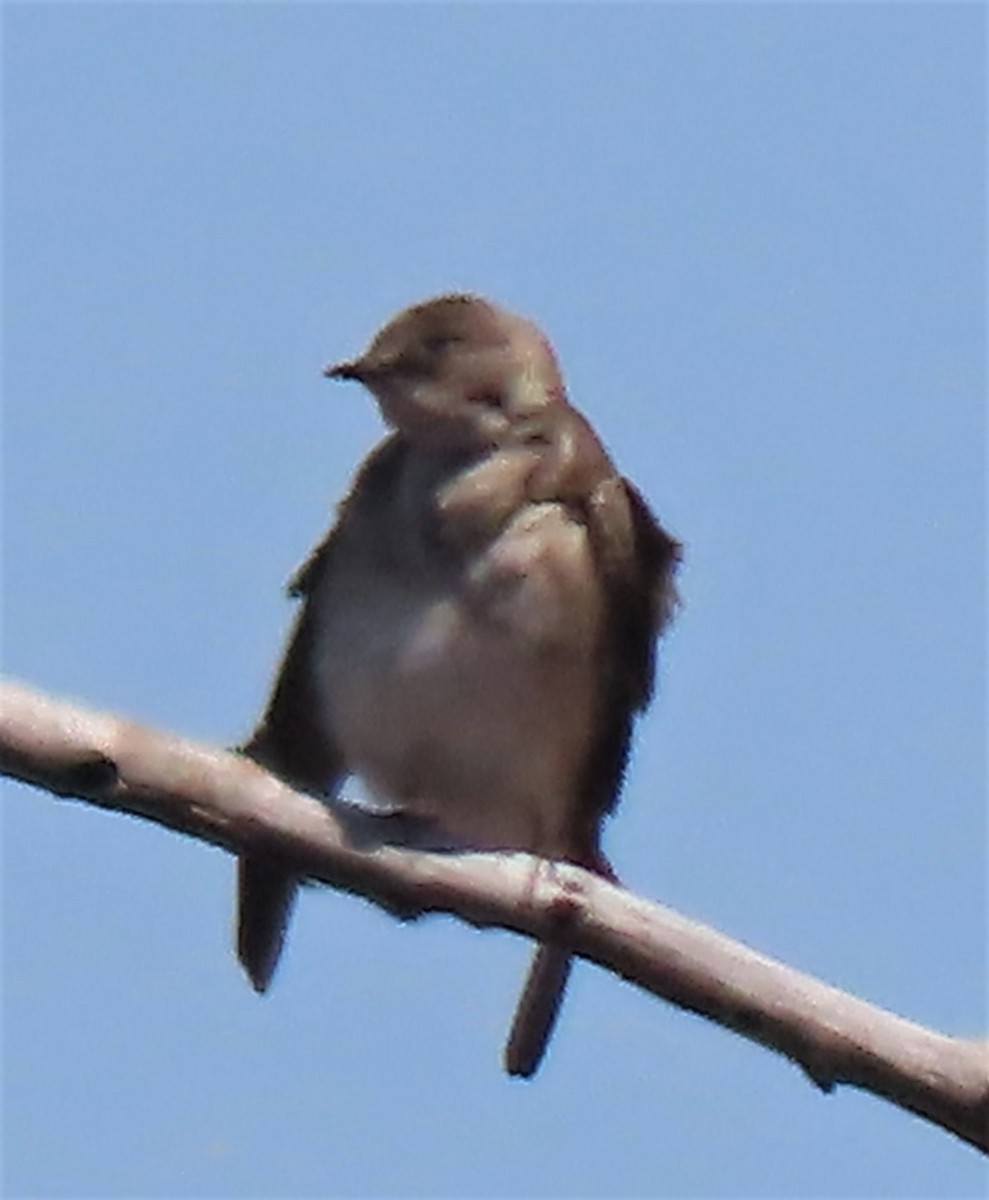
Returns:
<point x="458" y="371"/>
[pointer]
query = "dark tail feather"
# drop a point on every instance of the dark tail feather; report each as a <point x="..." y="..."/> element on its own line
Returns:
<point x="265" y="898"/>
<point x="537" y="1010"/>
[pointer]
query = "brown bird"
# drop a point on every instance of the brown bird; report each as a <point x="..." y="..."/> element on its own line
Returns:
<point x="478" y="628"/>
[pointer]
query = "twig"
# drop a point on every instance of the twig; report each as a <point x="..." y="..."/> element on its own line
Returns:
<point x="222" y="798"/>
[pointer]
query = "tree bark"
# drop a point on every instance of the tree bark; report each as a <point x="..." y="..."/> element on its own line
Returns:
<point x="222" y="798"/>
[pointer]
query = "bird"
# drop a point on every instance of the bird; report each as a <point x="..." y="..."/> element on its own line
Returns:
<point x="477" y="632"/>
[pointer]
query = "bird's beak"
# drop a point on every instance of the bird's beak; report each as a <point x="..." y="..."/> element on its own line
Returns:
<point x="345" y="370"/>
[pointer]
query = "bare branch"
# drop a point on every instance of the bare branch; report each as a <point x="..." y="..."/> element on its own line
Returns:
<point x="222" y="798"/>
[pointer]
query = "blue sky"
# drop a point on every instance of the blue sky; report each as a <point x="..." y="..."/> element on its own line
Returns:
<point x="755" y="234"/>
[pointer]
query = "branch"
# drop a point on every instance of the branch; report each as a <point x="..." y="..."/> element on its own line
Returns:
<point x="227" y="800"/>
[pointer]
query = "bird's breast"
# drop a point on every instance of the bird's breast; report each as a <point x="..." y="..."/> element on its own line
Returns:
<point x="469" y="695"/>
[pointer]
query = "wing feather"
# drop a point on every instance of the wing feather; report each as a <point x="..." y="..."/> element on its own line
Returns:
<point x="637" y="560"/>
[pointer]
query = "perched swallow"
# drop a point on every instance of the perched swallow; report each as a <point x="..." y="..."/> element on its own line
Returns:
<point x="478" y="630"/>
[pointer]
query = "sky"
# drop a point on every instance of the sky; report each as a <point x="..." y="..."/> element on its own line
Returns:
<point x="755" y="234"/>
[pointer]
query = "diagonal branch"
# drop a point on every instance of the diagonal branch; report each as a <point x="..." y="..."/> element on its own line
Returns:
<point x="224" y="799"/>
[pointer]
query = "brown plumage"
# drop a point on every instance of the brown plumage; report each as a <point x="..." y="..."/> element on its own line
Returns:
<point x="478" y="629"/>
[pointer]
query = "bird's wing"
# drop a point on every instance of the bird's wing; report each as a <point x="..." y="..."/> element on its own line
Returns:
<point x="637" y="560"/>
<point x="291" y="740"/>
<point x="294" y="742"/>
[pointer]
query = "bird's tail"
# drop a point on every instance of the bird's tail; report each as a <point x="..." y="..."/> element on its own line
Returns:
<point x="537" y="1011"/>
<point x="265" y="890"/>
<point x="265" y="899"/>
